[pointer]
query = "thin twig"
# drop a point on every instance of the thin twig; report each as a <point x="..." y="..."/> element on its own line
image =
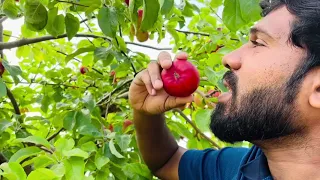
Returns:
<point x="80" y="61"/>
<point x="196" y="128"/>
<point x="23" y="42"/>
<point x="13" y="101"/>
<point x="84" y="20"/>
<point x="69" y="2"/>
<point x="106" y="96"/>
<point x="55" y="134"/>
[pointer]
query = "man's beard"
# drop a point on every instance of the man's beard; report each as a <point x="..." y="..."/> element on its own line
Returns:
<point x="262" y="114"/>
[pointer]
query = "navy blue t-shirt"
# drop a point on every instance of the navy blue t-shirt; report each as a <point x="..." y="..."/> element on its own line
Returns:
<point x="224" y="164"/>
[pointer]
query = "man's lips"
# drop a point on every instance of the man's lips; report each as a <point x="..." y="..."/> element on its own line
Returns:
<point x="224" y="97"/>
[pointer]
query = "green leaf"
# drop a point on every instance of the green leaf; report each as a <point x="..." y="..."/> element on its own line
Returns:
<point x="42" y="174"/>
<point x="76" y="152"/>
<point x="56" y="23"/>
<point x="187" y="9"/>
<point x="89" y="101"/>
<point x="104" y="54"/>
<point x="10" y="9"/>
<point x="108" y="22"/>
<point x="133" y="8"/>
<point x="89" y="129"/>
<point x="215" y="3"/>
<point x="250" y="10"/>
<point x="24" y="153"/>
<point x="238" y="13"/>
<point x="114" y="150"/>
<point x="150" y="14"/>
<point x="202" y="119"/>
<point x="79" y="51"/>
<point x="131" y="170"/>
<point x="59" y="169"/>
<point x="74" y="168"/>
<point x="72" y="25"/>
<point x="64" y="144"/>
<point x="42" y="161"/>
<point x="36" y="15"/>
<point x="45" y="103"/>
<point x="4" y="124"/>
<point x="12" y="69"/>
<point x="166" y="6"/>
<point x="100" y="160"/>
<point x="89" y="147"/>
<point x="35" y="140"/>
<point x="13" y="170"/>
<point x="69" y="120"/>
<point x="123" y="141"/>
<point x="3" y="88"/>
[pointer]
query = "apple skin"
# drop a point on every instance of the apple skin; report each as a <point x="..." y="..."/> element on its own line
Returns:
<point x="2" y="69"/>
<point x="127" y="123"/>
<point x="83" y="70"/>
<point x="181" y="79"/>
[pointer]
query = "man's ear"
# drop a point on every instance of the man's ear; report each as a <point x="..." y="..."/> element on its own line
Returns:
<point x="314" y="96"/>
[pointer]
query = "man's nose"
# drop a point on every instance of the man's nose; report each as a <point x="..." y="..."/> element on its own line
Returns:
<point x="232" y="60"/>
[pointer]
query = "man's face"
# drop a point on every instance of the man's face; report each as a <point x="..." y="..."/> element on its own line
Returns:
<point x="255" y="107"/>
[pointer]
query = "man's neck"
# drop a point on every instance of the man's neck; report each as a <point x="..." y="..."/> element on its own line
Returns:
<point x="299" y="160"/>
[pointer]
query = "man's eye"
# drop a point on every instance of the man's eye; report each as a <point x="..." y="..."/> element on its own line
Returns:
<point x="256" y="43"/>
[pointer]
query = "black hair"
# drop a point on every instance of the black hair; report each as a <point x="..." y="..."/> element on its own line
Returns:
<point x="305" y="33"/>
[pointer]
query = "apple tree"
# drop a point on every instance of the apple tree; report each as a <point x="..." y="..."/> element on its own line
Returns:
<point x="64" y="110"/>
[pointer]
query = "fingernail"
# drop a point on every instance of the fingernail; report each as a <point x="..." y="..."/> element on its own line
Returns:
<point x="153" y="92"/>
<point x="158" y="84"/>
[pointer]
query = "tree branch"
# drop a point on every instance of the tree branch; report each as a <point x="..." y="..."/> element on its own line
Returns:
<point x="196" y="128"/>
<point x="80" y="61"/>
<point x="23" y="42"/>
<point x="14" y="102"/>
<point x="69" y="2"/>
<point x="55" y="134"/>
<point x="114" y="91"/>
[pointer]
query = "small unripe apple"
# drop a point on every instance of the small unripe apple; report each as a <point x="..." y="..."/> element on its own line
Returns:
<point x="127" y="2"/>
<point x="110" y="127"/>
<point x="127" y="123"/>
<point x="112" y="73"/>
<point x="181" y="79"/>
<point x="198" y="100"/>
<point x="140" y="13"/>
<point x="83" y="70"/>
<point x="2" y="69"/>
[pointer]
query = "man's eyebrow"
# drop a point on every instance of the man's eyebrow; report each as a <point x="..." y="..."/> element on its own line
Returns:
<point x="256" y="30"/>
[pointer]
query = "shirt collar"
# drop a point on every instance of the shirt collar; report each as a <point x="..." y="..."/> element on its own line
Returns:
<point x="257" y="167"/>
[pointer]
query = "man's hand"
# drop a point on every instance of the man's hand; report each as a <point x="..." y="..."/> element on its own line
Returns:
<point x="149" y="101"/>
<point x="146" y="92"/>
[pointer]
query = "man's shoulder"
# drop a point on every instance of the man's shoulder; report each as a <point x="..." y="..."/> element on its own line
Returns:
<point x="211" y="163"/>
<point x="227" y="154"/>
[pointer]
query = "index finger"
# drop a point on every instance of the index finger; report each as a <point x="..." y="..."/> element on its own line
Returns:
<point x="164" y="60"/>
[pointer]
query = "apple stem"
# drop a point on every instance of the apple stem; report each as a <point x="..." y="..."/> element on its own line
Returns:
<point x="176" y="75"/>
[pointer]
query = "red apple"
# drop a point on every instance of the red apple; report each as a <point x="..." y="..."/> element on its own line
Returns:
<point x="83" y="70"/>
<point x="181" y="79"/>
<point x="140" y="13"/>
<point x="2" y="69"/>
<point x="110" y="127"/>
<point x="112" y="73"/>
<point x="127" y="123"/>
